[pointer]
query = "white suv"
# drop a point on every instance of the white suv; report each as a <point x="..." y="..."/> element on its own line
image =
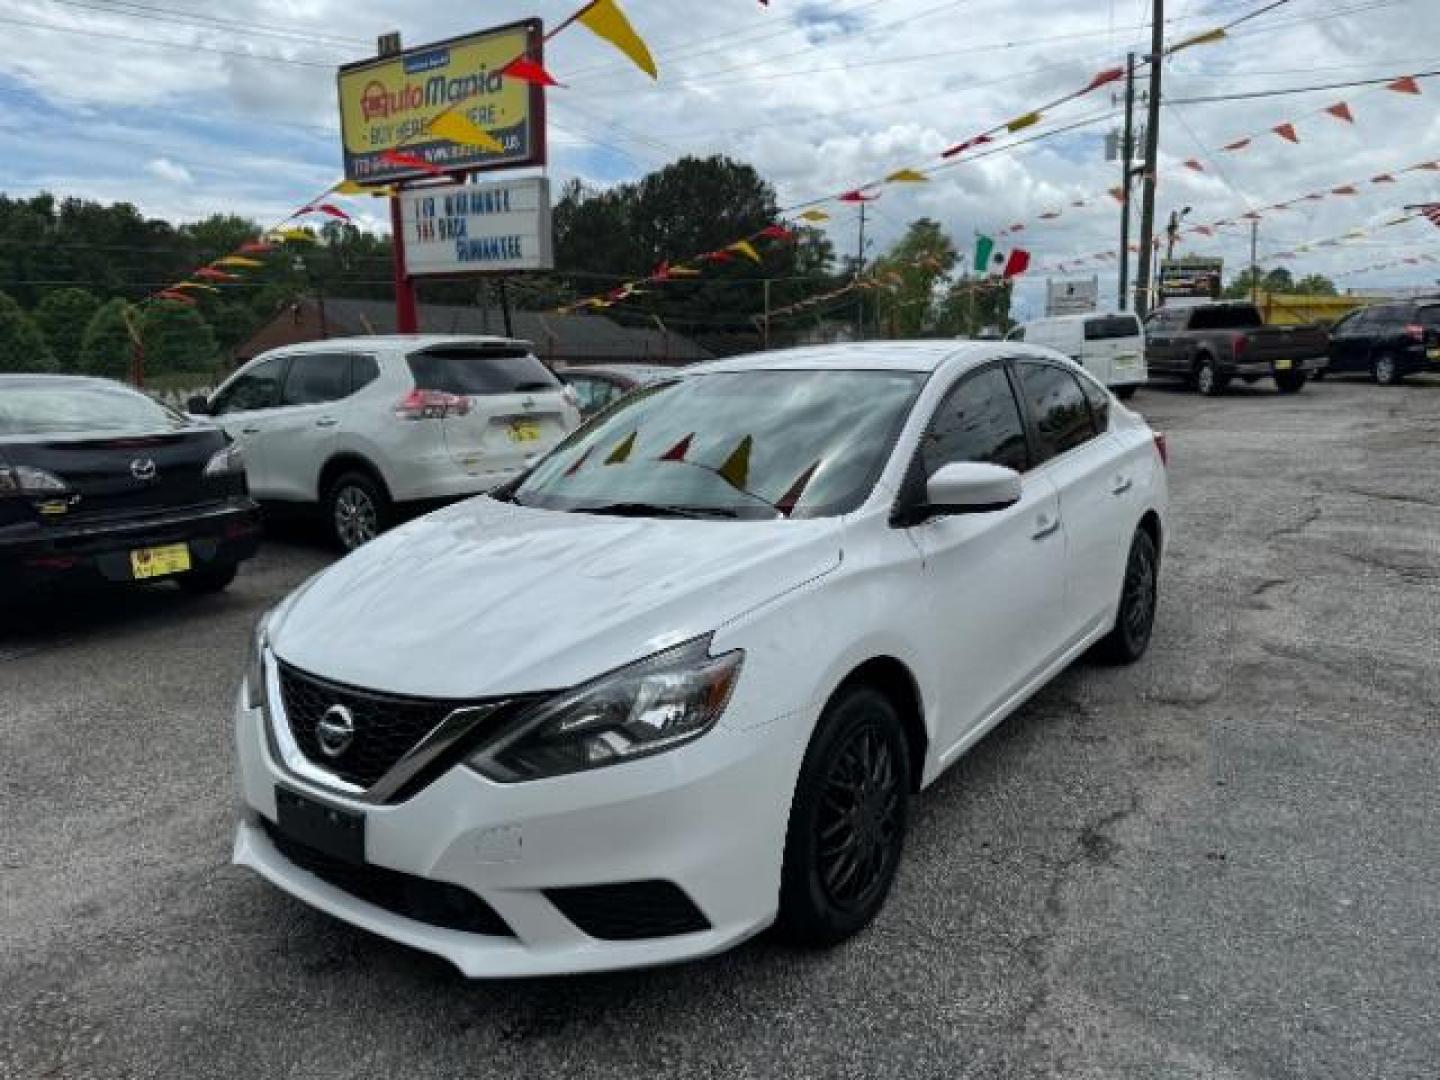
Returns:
<point x="357" y="425"/>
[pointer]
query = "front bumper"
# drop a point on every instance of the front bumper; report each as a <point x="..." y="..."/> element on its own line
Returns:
<point x="97" y="552"/>
<point x="708" y="818"/>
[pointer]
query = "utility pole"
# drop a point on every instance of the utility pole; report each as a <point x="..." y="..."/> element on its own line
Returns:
<point x="1127" y="158"/>
<point x="1254" y="261"/>
<point x="1152" y="154"/>
<point x="859" y="270"/>
<point x="765" y="331"/>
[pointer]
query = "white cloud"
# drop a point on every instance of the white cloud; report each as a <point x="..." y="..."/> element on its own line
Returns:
<point x="164" y="169"/>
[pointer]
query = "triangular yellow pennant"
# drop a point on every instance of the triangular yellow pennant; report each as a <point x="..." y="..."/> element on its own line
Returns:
<point x="350" y="187"/>
<point x="621" y="453"/>
<point x="684" y="271"/>
<point x="815" y="215"/>
<point x="904" y="176"/>
<point x="1020" y="123"/>
<point x="300" y="236"/>
<point x="460" y="129"/>
<point x="1209" y="37"/>
<point x="736" y="470"/>
<point x="604" y="18"/>
<point x="195" y="285"/>
<point x="744" y="247"/>
<point x="238" y="260"/>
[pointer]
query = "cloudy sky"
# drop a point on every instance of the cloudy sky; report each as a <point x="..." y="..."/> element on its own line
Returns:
<point x="185" y="108"/>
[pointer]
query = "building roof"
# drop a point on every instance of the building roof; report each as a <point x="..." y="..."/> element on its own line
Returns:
<point x="579" y="337"/>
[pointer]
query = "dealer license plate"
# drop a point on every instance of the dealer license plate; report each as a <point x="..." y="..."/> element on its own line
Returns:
<point x="1284" y="365"/>
<point x="338" y="833"/>
<point x="1433" y="354"/>
<point x="159" y="561"/>
<point x="524" y="431"/>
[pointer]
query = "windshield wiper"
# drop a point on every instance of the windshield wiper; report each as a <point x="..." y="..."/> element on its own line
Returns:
<point x="658" y="510"/>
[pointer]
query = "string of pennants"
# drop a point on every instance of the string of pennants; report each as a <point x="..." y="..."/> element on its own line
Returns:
<point x="1349" y="189"/>
<point x="1289" y="132"/>
<point x="604" y="18"/>
<point x="889" y="279"/>
<point x="814" y="212"/>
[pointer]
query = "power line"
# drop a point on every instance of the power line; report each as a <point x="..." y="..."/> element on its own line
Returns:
<point x="127" y="10"/>
<point x="1251" y="95"/>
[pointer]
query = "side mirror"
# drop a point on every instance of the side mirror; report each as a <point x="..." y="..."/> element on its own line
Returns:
<point x="199" y="405"/>
<point x="971" y="487"/>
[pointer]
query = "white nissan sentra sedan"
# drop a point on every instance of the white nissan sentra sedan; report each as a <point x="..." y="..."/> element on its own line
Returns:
<point x="681" y="680"/>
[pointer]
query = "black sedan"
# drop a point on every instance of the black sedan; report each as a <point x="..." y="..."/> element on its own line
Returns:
<point x="100" y="483"/>
<point x="1388" y="341"/>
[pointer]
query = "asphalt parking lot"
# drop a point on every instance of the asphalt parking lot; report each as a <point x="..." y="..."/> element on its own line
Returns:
<point x="1222" y="862"/>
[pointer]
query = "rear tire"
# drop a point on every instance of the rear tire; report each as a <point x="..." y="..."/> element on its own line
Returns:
<point x="847" y="821"/>
<point x="1386" y="371"/>
<point x="357" y="509"/>
<point x="1139" y="598"/>
<point x="1208" y="381"/>
<point x="210" y="579"/>
<point x="1292" y="382"/>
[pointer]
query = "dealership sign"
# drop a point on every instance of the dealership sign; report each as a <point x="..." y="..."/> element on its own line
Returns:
<point x="1195" y="277"/>
<point x="387" y="104"/>
<point x="476" y="228"/>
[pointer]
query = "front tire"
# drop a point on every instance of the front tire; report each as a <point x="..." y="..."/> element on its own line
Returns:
<point x="847" y="821"/>
<point x="1139" y="598"/>
<point x="357" y="509"/>
<point x="209" y="579"/>
<point x="1208" y="381"/>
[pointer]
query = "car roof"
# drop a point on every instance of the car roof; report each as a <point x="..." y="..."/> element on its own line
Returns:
<point x="656" y="370"/>
<point x="1081" y="317"/>
<point x="923" y="356"/>
<point x="395" y="343"/>
<point x="45" y="379"/>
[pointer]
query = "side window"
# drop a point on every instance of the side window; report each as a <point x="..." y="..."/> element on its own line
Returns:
<point x="1018" y="334"/>
<point x="978" y="421"/>
<point x="316" y="378"/>
<point x="258" y="388"/>
<point x="363" y="371"/>
<point x="585" y="392"/>
<point x="1058" y="406"/>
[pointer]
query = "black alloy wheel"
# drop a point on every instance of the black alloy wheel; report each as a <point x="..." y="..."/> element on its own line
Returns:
<point x="1139" y="598"/>
<point x="847" y="823"/>
<point x="1209" y="381"/>
<point x="358" y="510"/>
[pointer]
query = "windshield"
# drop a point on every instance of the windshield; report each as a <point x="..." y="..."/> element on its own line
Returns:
<point x="53" y="408"/>
<point x="747" y="444"/>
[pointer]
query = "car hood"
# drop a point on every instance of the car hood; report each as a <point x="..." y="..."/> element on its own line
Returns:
<point x="487" y="598"/>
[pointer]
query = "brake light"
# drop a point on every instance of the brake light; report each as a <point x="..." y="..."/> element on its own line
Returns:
<point x="1415" y="332"/>
<point x="1162" y="447"/>
<point x="1241" y="344"/>
<point x="431" y="405"/>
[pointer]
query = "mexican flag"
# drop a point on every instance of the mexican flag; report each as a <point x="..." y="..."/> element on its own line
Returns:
<point x="991" y="261"/>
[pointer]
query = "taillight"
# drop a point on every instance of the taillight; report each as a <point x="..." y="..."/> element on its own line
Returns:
<point x="1162" y="447"/>
<point x="1415" y="332"/>
<point x="431" y="405"/>
<point x="1241" y="344"/>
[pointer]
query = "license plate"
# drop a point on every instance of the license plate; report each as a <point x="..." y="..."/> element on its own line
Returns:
<point x="524" y="431"/>
<point x="1126" y="360"/>
<point x="338" y="833"/>
<point x="1283" y="365"/>
<point x="159" y="561"/>
<point x="1433" y="354"/>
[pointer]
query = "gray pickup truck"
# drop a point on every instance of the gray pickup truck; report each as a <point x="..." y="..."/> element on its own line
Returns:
<point x="1208" y="345"/>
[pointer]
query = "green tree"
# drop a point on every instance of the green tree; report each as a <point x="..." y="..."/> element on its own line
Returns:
<point x="22" y="345"/>
<point x="973" y="305"/>
<point x="1280" y="280"/>
<point x="910" y="275"/>
<point x="177" y="338"/>
<point x="106" y="348"/>
<point x="62" y="316"/>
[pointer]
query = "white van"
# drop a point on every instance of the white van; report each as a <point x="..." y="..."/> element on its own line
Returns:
<point x="1109" y="346"/>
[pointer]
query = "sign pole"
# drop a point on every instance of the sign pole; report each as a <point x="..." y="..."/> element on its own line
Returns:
<point x="407" y="320"/>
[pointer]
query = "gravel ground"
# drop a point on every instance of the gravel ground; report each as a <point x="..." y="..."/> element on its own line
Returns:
<point x="1222" y="862"/>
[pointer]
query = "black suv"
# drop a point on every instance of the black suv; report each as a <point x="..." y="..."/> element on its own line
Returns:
<point x="1388" y="341"/>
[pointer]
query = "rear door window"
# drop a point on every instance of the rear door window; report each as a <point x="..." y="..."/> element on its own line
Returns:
<point x="1108" y="329"/>
<point x="1058" y="408"/>
<point x="258" y="388"/>
<point x="315" y="378"/>
<point x="1237" y="317"/>
<point x="480" y="372"/>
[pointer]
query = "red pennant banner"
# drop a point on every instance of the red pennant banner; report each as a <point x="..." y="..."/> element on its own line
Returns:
<point x="1239" y="144"/>
<point x="1287" y="132"/>
<point x="776" y="232"/>
<point x="527" y="70"/>
<point x="255" y="247"/>
<point x="1383" y="178"/>
<point x="1345" y="189"/>
<point x="1193" y="164"/>
<point x="1341" y="111"/>
<point x="857" y="196"/>
<point x="209" y="273"/>
<point x="1109" y="75"/>
<point x="178" y="297"/>
<point x="968" y="144"/>
<point x="410" y="161"/>
<point x="1408" y="85"/>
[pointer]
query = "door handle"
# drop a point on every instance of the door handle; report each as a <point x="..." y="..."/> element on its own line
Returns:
<point x="327" y="421"/>
<point x="1045" y="525"/>
<point x="1122" y="484"/>
<point x="249" y="431"/>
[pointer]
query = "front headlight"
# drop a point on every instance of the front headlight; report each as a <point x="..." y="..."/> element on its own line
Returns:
<point x="225" y="462"/>
<point x="255" y="664"/>
<point x="657" y="704"/>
